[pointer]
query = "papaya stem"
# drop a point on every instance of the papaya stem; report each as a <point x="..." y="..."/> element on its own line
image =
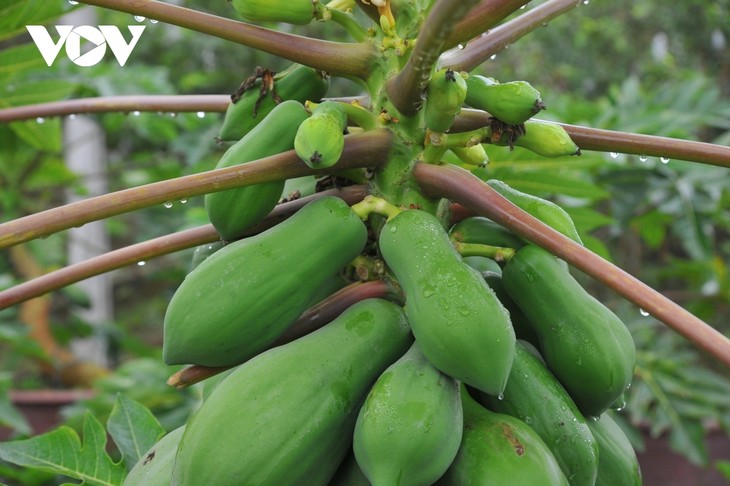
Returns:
<point x="405" y="88"/>
<point x="496" y="253"/>
<point x="377" y="205"/>
<point x="482" y="48"/>
<point x="367" y="149"/>
<point x="156" y="247"/>
<point x="337" y="58"/>
<point x="464" y="188"/>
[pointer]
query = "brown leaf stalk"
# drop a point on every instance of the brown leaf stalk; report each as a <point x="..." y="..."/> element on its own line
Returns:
<point x="602" y="140"/>
<point x="464" y="188"/>
<point x="156" y="247"/>
<point x="482" y="18"/>
<point x="337" y="58"/>
<point x="482" y="48"/>
<point x="367" y="149"/>
<point x="124" y="104"/>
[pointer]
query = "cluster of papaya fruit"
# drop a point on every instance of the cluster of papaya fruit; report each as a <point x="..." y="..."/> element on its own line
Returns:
<point x="484" y="361"/>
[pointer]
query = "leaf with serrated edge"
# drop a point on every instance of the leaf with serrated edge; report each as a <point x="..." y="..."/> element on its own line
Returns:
<point x="133" y="428"/>
<point x="61" y="452"/>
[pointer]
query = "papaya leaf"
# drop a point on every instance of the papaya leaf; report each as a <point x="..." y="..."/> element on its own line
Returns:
<point x="133" y="428"/>
<point x="16" y="14"/>
<point x="61" y="452"/>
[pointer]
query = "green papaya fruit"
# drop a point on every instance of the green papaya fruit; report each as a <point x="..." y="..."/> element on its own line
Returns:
<point x="410" y="426"/>
<point x="585" y="345"/>
<point x="287" y="416"/>
<point x="484" y="231"/>
<point x="499" y="449"/>
<point x="320" y="138"/>
<point x="234" y="210"/>
<point x="617" y="462"/>
<point x="298" y="12"/>
<point x="543" y="138"/>
<point x="483" y="264"/>
<point x="240" y="299"/>
<point x="445" y="94"/>
<point x="154" y="467"/>
<point x="513" y="102"/>
<point x="546" y="211"/>
<point x="534" y="396"/>
<point x="459" y="323"/>
<point x="520" y="323"/>
<point x="298" y="83"/>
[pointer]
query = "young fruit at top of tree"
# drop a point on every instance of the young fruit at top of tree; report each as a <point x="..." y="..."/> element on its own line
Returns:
<point x="513" y="103"/>
<point x="320" y="139"/>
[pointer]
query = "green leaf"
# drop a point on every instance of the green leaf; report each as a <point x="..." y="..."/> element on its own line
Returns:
<point x="652" y="227"/>
<point x="33" y="92"/>
<point x="687" y="438"/>
<point x="16" y="60"/>
<point x="565" y="184"/>
<point x="44" y="136"/>
<point x="133" y="428"/>
<point x="61" y="452"/>
<point x="9" y="415"/>
<point x="587" y="219"/>
<point x="16" y="14"/>
<point x="596" y="246"/>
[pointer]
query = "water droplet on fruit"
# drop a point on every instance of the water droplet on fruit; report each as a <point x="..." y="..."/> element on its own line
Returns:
<point x="393" y="229"/>
<point x="500" y="396"/>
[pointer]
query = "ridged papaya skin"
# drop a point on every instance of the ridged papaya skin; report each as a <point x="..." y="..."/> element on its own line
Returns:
<point x="298" y="12"/>
<point x="534" y="396"/>
<point x="459" y="323"/>
<point x="585" y="345"/>
<point x="409" y="428"/>
<point x="617" y="462"/>
<point x="234" y="210"/>
<point x="546" y="211"/>
<point x="498" y="449"/>
<point x="154" y="468"/>
<point x="241" y="298"/>
<point x="287" y="416"/>
<point x="298" y="83"/>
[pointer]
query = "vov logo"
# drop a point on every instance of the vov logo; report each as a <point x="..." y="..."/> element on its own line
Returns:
<point x="71" y="36"/>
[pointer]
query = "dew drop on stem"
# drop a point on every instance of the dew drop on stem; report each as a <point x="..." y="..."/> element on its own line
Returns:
<point x="141" y="263"/>
<point x="153" y="21"/>
<point x="643" y="158"/>
<point x="644" y="313"/>
<point x="139" y="18"/>
<point x="614" y="155"/>
<point x="493" y="57"/>
<point x="167" y="204"/>
<point x="135" y="113"/>
<point x="73" y="2"/>
<point x="183" y="200"/>
<point x="40" y="119"/>
<point x="664" y="160"/>
<point x="201" y="114"/>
